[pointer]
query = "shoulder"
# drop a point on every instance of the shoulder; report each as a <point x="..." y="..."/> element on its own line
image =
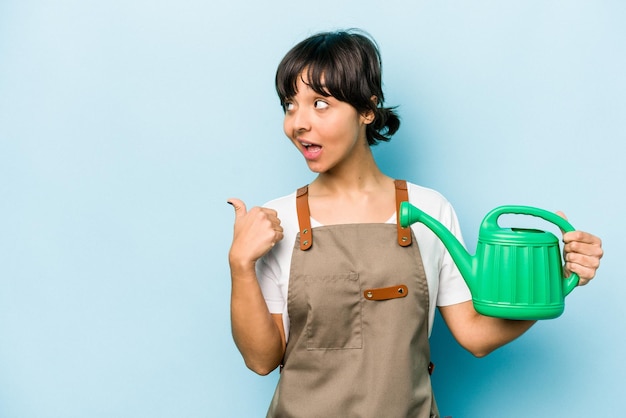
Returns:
<point x="429" y="200"/>
<point x="416" y="191"/>
<point x="284" y="205"/>
<point x="435" y="204"/>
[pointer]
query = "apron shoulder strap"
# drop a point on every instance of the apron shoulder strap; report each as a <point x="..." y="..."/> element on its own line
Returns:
<point x="402" y="195"/>
<point x="304" y="218"/>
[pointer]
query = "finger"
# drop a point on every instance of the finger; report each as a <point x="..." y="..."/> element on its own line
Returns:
<point x="582" y="238"/>
<point x="585" y="261"/>
<point x="272" y="214"/>
<point x="576" y="250"/>
<point x="585" y="274"/>
<point x="240" y="207"/>
<point x="275" y="223"/>
<point x="584" y="265"/>
<point x="278" y="234"/>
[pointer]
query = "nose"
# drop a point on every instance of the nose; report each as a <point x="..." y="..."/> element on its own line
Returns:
<point x="298" y="120"/>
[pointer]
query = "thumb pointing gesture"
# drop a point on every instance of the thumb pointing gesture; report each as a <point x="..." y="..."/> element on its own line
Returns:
<point x="255" y="232"/>
<point x="240" y="207"/>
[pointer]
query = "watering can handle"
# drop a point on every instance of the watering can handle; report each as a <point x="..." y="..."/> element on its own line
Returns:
<point x="491" y="221"/>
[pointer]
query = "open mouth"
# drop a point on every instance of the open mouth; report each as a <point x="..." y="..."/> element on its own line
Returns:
<point x="311" y="147"/>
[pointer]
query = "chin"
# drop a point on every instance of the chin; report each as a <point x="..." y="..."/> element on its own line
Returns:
<point x="316" y="168"/>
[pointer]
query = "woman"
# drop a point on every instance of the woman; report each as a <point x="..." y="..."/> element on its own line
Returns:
<point x="324" y="282"/>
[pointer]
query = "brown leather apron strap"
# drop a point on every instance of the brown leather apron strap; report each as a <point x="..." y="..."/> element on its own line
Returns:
<point x="402" y="195"/>
<point x="304" y="218"/>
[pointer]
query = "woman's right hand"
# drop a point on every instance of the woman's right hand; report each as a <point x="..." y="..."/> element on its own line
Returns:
<point x="259" y="335"/>
<point x="255" y="233"/>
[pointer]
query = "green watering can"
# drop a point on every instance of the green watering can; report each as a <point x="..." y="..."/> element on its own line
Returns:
<point x="516" y="273"/>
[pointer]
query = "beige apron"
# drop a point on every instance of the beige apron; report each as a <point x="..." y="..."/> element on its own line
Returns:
<point x="358" y="309"/>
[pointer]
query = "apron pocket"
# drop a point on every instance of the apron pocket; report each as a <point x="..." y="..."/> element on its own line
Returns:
<point x="334" y="311"/>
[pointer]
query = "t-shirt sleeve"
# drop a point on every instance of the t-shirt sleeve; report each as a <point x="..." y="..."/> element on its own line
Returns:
<point x="268" y="273"/>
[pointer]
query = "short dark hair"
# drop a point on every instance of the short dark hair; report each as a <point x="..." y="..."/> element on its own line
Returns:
<point x="344" y="64"/>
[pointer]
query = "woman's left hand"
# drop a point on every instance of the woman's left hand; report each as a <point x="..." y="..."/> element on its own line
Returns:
<point x="582" y="252"/>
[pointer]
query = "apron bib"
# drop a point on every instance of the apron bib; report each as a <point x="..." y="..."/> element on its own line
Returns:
<point x="358" y="308"/>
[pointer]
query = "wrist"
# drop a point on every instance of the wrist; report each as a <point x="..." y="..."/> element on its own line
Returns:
<point x="241" y="267"/>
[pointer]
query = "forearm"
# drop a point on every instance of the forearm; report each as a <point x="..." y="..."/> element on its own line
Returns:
<point x="256" y="334"/>
<point x="489" y="334"/>
<point x="481" y="334"/>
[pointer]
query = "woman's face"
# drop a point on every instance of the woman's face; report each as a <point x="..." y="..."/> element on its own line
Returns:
<point x="327" y="132"/>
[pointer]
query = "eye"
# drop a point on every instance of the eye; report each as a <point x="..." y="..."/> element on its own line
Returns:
<point x="320" y="104"/>
<point x="288" y="106"/>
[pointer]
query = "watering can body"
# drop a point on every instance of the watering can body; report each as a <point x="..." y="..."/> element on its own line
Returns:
<point x="516" y="273"/>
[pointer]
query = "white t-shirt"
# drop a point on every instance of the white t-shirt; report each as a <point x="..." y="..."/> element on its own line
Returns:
<point x="445" y="284"/>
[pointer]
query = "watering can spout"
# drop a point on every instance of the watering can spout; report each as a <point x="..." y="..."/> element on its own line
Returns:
<point x="409" y="214"/>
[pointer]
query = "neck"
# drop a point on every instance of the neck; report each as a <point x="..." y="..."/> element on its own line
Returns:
<point x="362" y="177"/>
<point x="365" y="195"/>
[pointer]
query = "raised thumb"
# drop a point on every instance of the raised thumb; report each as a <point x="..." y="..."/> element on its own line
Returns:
<point x="240" y="207"/>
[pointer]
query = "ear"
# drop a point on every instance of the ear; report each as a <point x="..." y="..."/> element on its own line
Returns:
<point x="369" y="116"/>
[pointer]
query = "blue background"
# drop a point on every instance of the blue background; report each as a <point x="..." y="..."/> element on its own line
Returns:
<point x="125" y="126"/>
